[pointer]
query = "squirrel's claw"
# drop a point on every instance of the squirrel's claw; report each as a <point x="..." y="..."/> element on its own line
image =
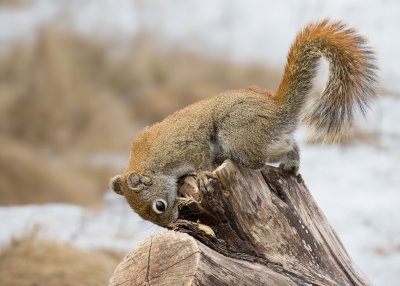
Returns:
<point x="293" y="169"/>
<point x="203" y="181"/>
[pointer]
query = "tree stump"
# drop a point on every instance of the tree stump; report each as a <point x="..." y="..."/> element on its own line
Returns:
<point x="246" y="228"/>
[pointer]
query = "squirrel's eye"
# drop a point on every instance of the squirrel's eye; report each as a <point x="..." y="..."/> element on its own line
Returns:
<point x="159" y="206"/>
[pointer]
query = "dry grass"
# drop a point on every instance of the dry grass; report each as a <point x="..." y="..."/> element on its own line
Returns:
<point x="65" y="95"/>
<point x="169" y="80"/>
<point x="67" y="92"/>
<point x="28" y="177"/>
<point x="15" y="3"/>
<point x="30" y="261"/>
<point x="49" y="101"/>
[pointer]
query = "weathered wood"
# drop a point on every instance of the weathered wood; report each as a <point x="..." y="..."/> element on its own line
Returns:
<point x="173" y="258"/>
<point x="247" y="228"/>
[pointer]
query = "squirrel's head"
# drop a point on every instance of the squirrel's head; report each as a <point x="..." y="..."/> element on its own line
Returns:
<point x="152" y="196"/>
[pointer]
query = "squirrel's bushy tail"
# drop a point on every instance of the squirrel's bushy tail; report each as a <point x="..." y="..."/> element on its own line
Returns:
<point x="351" y="84"/>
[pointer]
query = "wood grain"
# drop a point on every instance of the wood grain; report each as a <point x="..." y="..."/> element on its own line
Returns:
<point x="257" y="228"/>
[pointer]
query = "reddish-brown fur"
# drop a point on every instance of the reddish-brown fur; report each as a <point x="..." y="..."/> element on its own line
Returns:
<point x="249" y="126"/>
<point x="352" y="77"/>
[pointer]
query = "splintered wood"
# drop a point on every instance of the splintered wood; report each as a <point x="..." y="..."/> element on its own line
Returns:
<point x="250" y="228"/>
<point x="189" y="188"/>
<point x="189" y="203"/>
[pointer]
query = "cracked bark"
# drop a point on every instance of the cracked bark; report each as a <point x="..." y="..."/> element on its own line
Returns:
<point x="148" y="261"/>
<point x="256" y="228"/>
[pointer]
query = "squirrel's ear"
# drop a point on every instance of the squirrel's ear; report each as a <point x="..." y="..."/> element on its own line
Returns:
<point x="133" y="181"/>
<point x="137" y="182"/>
<point x="115" y="184"/>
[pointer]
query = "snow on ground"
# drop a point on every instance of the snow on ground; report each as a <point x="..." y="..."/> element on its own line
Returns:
<point x="112" y="227"/>
<point x="357" y="187"/>
<point x="358" y="190"/>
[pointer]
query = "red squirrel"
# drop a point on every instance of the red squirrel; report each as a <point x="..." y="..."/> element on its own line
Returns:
<point x="252" y="127"/>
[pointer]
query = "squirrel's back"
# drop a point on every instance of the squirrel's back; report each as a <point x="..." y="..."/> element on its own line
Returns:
<point x="351" y="84"/>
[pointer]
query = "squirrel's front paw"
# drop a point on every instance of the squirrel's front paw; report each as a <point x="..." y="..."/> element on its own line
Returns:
<point x="203" y="180"/>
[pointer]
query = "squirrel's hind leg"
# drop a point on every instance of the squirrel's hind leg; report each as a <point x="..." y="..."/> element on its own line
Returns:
<point x="289" y="161"/>
<point x="240" y="147"/>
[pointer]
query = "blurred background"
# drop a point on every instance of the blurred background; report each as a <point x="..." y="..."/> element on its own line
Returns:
<point x="79" y="79"/>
